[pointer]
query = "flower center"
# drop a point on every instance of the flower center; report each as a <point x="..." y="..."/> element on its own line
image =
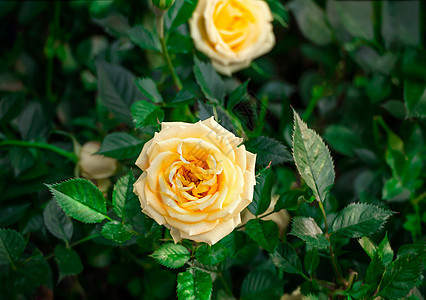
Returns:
<point x="192" y="179"/>
<point x="232" y="20"/>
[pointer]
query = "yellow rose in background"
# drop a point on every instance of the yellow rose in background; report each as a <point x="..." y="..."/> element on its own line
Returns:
<point x="197" y="179"/>
<point x="232" y="32"/>
<point x="95" y="166"/>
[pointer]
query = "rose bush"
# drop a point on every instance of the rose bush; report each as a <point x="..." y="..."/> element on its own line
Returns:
<point x="232" y="32"/>
<point x="197" y="179"/>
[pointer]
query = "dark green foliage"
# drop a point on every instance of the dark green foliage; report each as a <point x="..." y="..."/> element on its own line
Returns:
<point x="335" y="112"/>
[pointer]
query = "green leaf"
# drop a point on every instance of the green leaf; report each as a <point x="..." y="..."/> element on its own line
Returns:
<point x="396" y="108"/>
<point x="117" y="232"/>
<point x="123" y="194"/>
<point x="10" y="107"/>
<point x="21" y="159"/>
<point x="357" y="18"/>
<point x="181" y="11"/>
<point x="360" y="219"/>
<point x="149" y="89"/>
<point x="375" y="271"/>
<point x="12" y="245"/>
<point x="171" y="255"/>
<point x="57" y="221"/>
<point x="146" y="114"/>
<point x="312" y="159"/>
<point x="415" y="99"/>
<point x="114" y="24"/>
<point x="311" y="261"/>
<point x="401" y="277"/>
<point x="308" y="230"/>
<point x="368" y="246"/>
<point x="145" y="39"/>
<point x="360" y="291"/>
<point x="33" y="122"/>
<point x="211" y="255"/>
<point x="285" y="258"/>
<point x="31" y="274"/>
<point x="311" y="20"/>
<point x="401" y="24"/>
<point x="209" y="81"/>
<point x="268" y="150"/>
<point x="10" y="214"/>
<point x="260" y="285"/>
<point x="279" y="12"/>
<point x="182" y="97"/>
<point x="265" y="233"/>
<point x="179" y="43"/>
<point x="342" y="139"/>
<point x="121" y="145"/>
<point x="262" y="192"/>
<point x="238" y="95"/>
<point x="117" y="90"/>
<point x="194" y="284"/>
<point x="68" y="261"/>
<point x="80" y="199"/>
<point x="385" y="251"/>
<point x="289" y="200"/>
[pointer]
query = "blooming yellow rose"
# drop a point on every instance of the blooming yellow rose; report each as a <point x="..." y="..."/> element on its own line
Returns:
<point x="95" y="166"/>
<point x="197" y="179"/>
<point x="232" y="32"/>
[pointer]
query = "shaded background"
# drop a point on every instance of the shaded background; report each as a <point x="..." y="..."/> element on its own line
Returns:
<point x="354" y="70"/>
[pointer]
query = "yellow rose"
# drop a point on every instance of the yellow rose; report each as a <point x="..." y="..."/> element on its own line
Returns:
<point x="95" y="166"/>
<point x="196" y="180"/>
<point x="232" y="32"/>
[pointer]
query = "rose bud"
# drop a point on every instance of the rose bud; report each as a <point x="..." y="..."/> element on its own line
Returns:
<point x="94" y="166"/>
<point x="163" y="4"/>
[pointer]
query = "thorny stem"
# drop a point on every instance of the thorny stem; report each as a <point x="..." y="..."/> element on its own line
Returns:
<point x="332" y="256"/>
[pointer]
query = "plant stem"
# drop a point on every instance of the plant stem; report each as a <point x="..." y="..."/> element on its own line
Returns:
<point x="261" y="121"/>
<point x="225" y="284"/>
<point x="87" y="238"/>
<point x="332" y="256"/>
<point x="164" y="51"/>
<point x="69" y="155"/>
<point x="317" y="94"/>
<point x="323" y="214"/>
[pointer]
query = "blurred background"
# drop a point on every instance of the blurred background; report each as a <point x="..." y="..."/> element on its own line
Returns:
<point x="355" y="70"/>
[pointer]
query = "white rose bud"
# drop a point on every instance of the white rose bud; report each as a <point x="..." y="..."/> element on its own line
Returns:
<point x="94" y="166"/>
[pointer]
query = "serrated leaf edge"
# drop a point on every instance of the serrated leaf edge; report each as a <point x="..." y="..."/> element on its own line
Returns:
<point x="295" y="116"/>
<point x="52" y="185"/>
